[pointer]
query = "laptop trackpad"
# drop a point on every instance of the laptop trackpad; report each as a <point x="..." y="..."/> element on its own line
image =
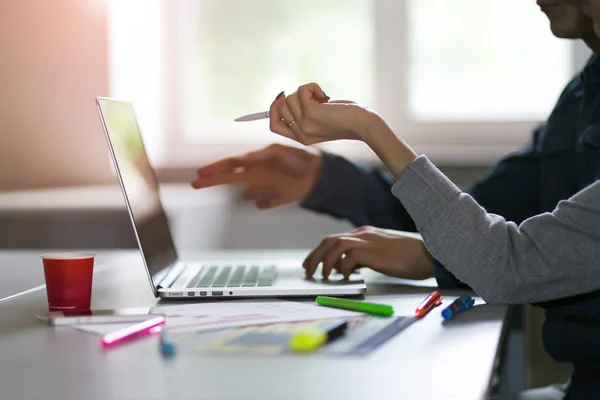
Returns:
<point x="334" y="278"/>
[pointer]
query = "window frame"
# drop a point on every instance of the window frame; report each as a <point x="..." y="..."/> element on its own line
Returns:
<point x="449" y="143"/>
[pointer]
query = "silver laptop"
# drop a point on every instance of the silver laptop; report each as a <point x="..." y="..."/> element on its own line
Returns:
<point x="171" y="277"/>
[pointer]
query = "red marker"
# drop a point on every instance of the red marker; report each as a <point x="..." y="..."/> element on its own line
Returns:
<point x="430" y="302"/>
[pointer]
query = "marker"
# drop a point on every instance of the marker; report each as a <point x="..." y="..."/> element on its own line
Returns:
<point x="463" y="303"/>
<point x="310" y="340"/>
<point x="430" y="302"/>
<point x="167" y="346"/>
<point x="142" y="329"/>
<point x="356" y="305"/>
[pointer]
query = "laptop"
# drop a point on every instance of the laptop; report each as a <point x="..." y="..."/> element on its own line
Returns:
<point x="173" y="278"/>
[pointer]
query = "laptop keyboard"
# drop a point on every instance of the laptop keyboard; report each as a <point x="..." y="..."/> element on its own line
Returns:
<point x="229" y="276"/>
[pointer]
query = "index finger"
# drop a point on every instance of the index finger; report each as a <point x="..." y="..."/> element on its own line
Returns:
<point x="277" y="125"/>
<point x="221" y="166"/>
<point x="255" y="176"/>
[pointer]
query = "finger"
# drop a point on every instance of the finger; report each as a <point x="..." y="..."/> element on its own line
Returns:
<point x="220" y="179"/>
<point x="293" y="103"/>
<point x="255" y="176"/>
<point x="268" y="202"/>
<point x="316" y="255"/>
<point x="224" y="165"/>
<point x="264" y="155"/>
<point x="355" y="259"/>
<point x="256" y="192"/>
<point x="362" y="231"/>
<point x="264" y="197"/>
<point x="337" y="250"/>
<point x="311" y="93"/>
<point x="292" y="122"/>
<point x="276" y="124"/>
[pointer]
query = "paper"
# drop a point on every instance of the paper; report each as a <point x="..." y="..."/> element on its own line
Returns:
<point x="364" y="335"/>
<point x="200" y="317"/>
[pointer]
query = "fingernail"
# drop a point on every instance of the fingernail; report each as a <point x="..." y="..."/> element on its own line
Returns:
<point x="280" y="94"/>
<point x="326" y="97"/>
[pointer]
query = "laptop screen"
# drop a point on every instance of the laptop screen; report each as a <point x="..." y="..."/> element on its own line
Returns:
<point x="139" y="184"/>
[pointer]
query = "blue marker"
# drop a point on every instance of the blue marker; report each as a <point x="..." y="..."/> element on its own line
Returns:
<point x="463" y="303"/>
<point x="167" y="346"/>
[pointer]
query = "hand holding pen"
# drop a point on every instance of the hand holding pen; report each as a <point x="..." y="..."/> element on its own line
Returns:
<point x="265" y="114"/>
<point x="308" y="117"/>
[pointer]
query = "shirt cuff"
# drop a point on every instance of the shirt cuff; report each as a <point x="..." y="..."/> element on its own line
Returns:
<point x="331" y="186"/>
<point x="423" y="190"/>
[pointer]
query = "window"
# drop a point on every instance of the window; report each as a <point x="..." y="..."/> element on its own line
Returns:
<point x="453" y="78"/>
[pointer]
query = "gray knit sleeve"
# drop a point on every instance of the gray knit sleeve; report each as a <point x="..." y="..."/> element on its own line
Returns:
<point x="549" y="256"/>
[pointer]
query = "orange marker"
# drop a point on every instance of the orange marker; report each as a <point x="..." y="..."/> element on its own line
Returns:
<point x="430" y="302"/>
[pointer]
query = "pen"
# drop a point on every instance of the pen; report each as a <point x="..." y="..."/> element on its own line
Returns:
<point x="137" y="330"/>
<point x="463" y="303"/>
<point x="312" y="339"/>
<point x="167" y="346"/>
<point x="431" y="301"/>
<point x="261" y="115"/>
<point x="253" y="117"/>
<point x="356" y="305"/>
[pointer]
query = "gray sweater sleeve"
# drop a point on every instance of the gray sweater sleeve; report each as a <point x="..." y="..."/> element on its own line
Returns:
<point x="549" y="256"/>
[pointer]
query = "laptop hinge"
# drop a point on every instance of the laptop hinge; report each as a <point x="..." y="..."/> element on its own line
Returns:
<point x="171" y="276"/>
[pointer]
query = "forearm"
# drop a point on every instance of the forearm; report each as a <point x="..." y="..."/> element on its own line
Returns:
<point x="547" y="257"/>
<point x="391" y="149"/>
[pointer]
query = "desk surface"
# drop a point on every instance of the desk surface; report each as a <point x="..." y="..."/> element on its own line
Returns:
<point x="426" y="361"/>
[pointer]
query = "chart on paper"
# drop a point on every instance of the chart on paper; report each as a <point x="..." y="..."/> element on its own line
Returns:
<point x="232" y="314"/>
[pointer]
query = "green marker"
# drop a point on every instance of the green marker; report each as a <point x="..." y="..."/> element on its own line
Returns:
<point x="356" y="305"/>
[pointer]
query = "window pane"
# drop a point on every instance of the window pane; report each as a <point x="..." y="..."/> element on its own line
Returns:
<point x="483" y="60"/>
<point x="249" y="51"/>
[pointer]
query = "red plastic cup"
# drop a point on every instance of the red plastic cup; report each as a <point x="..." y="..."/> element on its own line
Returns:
<point x="69" y="280"/>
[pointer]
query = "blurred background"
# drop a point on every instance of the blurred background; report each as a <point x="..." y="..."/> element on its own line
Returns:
<point x="462" y="81"/>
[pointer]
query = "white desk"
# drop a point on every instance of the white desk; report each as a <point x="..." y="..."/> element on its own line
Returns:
<point x="426" y="361"/>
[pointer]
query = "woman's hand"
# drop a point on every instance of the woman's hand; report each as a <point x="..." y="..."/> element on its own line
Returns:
<point x="307" y="116"/>
<point x="394" y="253"/>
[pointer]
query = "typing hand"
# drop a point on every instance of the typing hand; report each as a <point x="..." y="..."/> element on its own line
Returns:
<point x="274" y="176"/>
<point x="394" y="253"/>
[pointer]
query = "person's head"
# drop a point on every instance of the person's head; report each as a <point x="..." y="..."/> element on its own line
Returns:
<point x="591" y="8"/>
<point x="567" y="19"/>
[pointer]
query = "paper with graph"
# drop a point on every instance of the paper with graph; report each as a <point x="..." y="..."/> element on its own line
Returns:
<point x="232" y="314"/>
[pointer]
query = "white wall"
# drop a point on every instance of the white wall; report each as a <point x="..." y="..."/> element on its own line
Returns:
<point x="53" y="62"/>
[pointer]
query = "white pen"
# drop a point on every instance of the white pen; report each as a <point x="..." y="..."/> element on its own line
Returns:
<point x="261" y="115"/>
<point x="253" y="117"/>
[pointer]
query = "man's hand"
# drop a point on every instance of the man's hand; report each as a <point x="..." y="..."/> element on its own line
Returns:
<point x="274" y="176"/>
<point x="394" y="253"/>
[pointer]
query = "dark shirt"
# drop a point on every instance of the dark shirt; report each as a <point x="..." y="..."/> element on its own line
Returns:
<point x="562" y="158"/>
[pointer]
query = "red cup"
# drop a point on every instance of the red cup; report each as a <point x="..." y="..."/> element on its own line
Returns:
<point x="69" y="280"/>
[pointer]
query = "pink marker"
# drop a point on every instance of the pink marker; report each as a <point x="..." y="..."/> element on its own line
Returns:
<point x="143" y="328"/>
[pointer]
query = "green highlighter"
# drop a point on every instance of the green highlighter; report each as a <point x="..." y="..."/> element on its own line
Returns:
<point x="356" y="305"/>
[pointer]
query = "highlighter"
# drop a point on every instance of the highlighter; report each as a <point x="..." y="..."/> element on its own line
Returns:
<point x="310" y="340"/>
<point x="356" y="305"/>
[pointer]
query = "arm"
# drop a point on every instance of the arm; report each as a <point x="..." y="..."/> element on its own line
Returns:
<point x="549" y="256"/>
<point x="511" y="188"/>
<point x="358" y="193"/>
